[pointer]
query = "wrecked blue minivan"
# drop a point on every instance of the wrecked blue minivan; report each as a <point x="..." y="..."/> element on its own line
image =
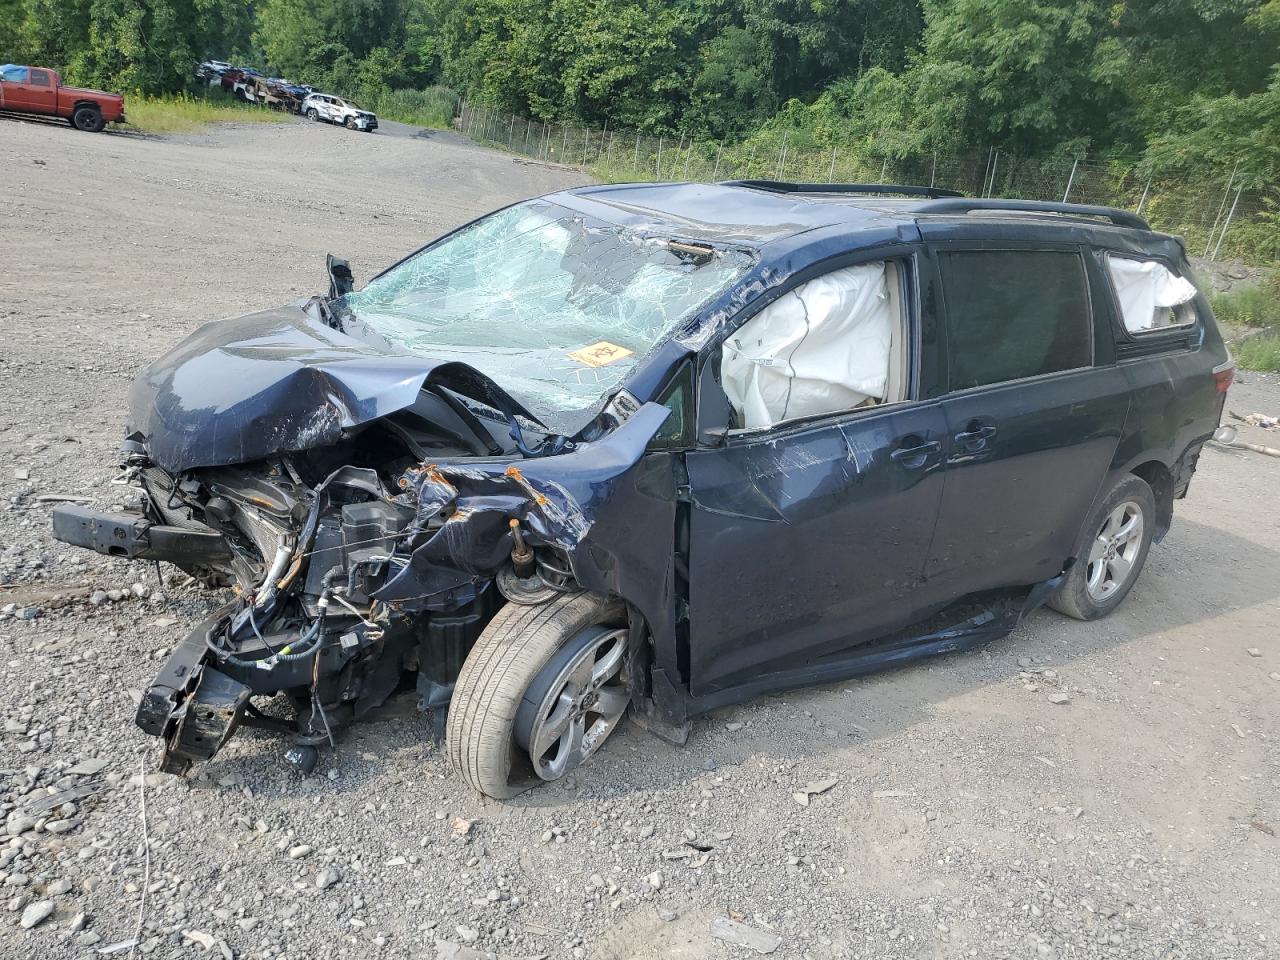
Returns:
<point x="652" y="449"/>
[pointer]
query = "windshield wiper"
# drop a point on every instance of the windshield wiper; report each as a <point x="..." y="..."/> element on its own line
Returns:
<point x="548" y="446"/>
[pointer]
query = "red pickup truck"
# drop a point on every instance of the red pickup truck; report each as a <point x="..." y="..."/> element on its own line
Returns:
<point x="39" y="91"/>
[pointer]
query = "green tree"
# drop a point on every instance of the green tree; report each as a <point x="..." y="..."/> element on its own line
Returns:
<point x="12" y="27"/>
<point x="1222" y="133"/>
<point x="732" y="90"/>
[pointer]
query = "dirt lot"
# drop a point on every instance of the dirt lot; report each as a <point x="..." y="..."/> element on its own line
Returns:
<point x="972" y="817"/>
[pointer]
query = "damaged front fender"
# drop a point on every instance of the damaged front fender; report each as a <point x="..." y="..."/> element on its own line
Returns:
<point x="558" y="500"/>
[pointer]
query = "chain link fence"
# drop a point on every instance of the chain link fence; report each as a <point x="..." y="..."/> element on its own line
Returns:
<point x="1217" y="220"/>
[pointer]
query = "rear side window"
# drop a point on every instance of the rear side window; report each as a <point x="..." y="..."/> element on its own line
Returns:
<point x="1151" y="296"/>
<point x="39" y="78"/>
<point x="1013" y="314"/>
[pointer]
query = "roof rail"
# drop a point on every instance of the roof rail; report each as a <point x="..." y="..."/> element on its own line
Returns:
<point x="1121" y="218"/>
<point x="786" y="186"/>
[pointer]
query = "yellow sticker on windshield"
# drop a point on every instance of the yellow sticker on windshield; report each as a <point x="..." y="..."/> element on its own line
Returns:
<point x="600" y="354"/>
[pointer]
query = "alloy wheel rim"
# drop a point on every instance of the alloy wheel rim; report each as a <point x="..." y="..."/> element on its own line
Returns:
<point x="581" y="707"/>
<point x="1114" y="551"/>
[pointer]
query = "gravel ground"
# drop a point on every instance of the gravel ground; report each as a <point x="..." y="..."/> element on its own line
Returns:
<point x="970" y="815"/>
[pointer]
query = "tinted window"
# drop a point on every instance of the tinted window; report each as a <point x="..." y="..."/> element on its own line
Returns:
<point x="678" y="398"/>
<point x="39" y="78"/>
<point x="1014" y="314"/>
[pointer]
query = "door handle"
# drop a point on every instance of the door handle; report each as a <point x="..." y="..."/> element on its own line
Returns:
<point x="976" y="436"/>
<point x="916" y="455"/>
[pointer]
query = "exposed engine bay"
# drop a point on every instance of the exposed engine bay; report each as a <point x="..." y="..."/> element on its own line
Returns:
<point x="359" y="568"/>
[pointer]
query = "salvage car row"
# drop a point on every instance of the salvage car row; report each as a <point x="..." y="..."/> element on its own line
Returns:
<point x="249" y="85"/>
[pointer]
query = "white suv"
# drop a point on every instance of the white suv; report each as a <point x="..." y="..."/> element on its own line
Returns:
<point x="325" y="106"/>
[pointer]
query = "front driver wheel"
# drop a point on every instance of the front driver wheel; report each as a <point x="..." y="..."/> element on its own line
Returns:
<point x="1117" y="539"/>
<point x="539" y="692"/>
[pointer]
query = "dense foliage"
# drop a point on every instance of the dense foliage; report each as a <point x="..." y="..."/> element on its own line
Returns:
<point x="1193" y="85"/>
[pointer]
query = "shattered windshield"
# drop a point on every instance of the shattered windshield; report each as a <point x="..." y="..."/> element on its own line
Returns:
<point x="555" y="306"/>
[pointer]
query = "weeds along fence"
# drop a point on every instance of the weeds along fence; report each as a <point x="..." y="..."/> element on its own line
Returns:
<point x="1226" y="219"/>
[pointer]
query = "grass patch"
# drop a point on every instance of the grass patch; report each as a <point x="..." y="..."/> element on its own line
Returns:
<point x="183" y="113"/>
<point x="1257" y="306"/>
<point x="1258" y="353"/>
<point x="432" y="107"/>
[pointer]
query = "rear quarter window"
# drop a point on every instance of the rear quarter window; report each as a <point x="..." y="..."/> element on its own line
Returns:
<point x="1013" y="314"/>
<point x="1150" y="295"/>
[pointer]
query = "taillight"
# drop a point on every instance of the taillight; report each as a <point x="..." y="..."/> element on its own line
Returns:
<point x="1224" y="374"/>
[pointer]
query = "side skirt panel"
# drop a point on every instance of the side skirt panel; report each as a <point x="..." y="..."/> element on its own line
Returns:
<point x="897" y="649"/>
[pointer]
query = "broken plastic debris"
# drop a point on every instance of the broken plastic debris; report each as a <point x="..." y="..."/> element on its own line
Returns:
<point x="198" y="936"/>
<point x="739" y="934"/>
<point x="813" y="789"/>
<point x="120" y="947"/>
<point x="1259" y="420"/>
<point x="87" y="768"/>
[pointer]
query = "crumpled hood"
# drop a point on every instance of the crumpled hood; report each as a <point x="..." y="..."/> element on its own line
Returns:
<point x="244" y="389"/>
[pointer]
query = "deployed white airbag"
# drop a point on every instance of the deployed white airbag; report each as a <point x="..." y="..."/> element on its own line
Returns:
<point x="822" y="348"/>
<point x="1147" y="290"/>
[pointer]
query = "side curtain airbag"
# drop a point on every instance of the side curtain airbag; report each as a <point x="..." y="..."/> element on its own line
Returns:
<point x="1147" y="290"/>
<point x="821" y="348"/>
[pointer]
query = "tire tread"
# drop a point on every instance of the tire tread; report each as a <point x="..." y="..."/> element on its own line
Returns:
<point x="510" y="651"/>
<point x="1072" y="597"/>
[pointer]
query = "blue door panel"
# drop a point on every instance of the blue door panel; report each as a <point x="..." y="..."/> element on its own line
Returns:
<point x="808" y="540"/>
<point x="1017" y="492"/>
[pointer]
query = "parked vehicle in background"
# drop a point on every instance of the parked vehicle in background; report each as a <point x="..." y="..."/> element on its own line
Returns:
<point x="662" y="448"/>
<point x="211" y="71"/>
<point x="250" y="86"/>
<point x="333" y="109"/>
<point x="270" y="92"/>
<point x="38" y="91"/>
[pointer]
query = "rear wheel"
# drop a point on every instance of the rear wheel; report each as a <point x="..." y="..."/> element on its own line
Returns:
<point x="88" y="119"/>
<point x="311" y="114"/>
<point x="1110" y="559"/>
<point x="539" y="693"/>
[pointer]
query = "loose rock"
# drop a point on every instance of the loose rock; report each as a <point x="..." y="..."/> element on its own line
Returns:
<point x="36" y="914"/>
